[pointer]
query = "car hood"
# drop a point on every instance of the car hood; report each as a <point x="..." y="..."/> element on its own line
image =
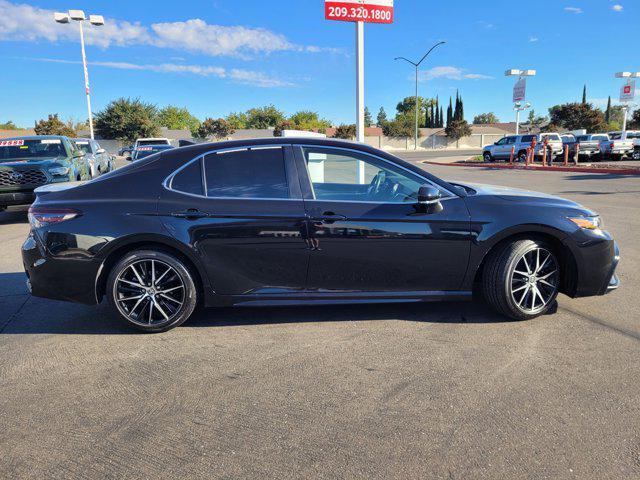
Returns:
<point x="33" y="162"/>
<point x="517" y="195"/>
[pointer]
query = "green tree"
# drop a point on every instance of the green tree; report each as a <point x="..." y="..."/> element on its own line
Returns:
<point x="534" y="120"/>
<point x="368" y="121"/>
<point x="607" y="112"/>
<point x="441" y="122"/>
<point x="127" y="119"/>
<point x="485" y="119"/>
<point x="635" y="120"/>
<point x="382" y="117"/>
<point x="8" y="126"/>
<point x="214" y="128"/>
<point x="283" y="125"/>
<point x="310" y="121"/>
<point x="54" y="126"/>
<point x="264" y="117"/>
<point x="458" y="129"/>
<point x="346" y="132"/>
<point x="573" y="116"/>
<point x="402" y="126"/>
<point x="584" y="95"/>
<point x="450" y="112"/>
<point x="177" y="118"/>
<point x="237" y="121"/>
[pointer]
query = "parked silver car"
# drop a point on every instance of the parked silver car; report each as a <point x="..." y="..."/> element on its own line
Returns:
<point x="97" y="158"/>
<point x="501" y="150"/>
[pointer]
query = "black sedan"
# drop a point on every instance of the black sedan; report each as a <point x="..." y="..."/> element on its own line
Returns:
<point x="275" y="221"/>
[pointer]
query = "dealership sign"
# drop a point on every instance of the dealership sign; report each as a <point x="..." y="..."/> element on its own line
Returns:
<point x="520" y="90"/>
<point x="368" y="11"/>
<point x="628" y="91"/>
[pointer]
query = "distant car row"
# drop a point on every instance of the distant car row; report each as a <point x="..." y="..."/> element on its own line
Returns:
<point x="32" y="161"/>
<point x="608" y="146"/>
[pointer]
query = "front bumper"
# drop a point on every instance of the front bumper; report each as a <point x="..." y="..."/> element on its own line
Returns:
<point x="17" y="198"/>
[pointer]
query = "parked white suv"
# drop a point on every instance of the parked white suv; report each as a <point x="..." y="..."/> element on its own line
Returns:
<point x="519" y="143"/>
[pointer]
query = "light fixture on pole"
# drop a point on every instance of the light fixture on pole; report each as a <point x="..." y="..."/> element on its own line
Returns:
<point x="520" y="91"/>
<point x="97" y="20"/>
<point x="417" y="102"/>
<point x="627" y="93"/>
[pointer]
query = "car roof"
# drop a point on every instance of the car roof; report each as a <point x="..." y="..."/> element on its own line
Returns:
<point x="36" y="137"/>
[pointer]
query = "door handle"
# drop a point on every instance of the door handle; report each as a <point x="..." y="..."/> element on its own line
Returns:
<point x="192" y="213"/>
<point x="329" y="218"/>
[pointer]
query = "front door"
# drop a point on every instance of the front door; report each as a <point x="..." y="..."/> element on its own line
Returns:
<point x="367" y="232"/>
<point x="242" y="213"/>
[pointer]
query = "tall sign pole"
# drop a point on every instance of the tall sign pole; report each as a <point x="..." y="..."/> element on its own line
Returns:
<point x="360" y="81"/>
<point x="360" y="12"/>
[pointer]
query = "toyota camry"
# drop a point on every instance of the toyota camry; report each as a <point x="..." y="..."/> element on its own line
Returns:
<point x="292" y="220"/>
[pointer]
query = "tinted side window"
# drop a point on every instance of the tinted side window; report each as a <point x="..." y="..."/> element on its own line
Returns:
<point x="189" y="179"/>
<point x="527" y="138"/>
<point x="511" y="140"/>
<point x="256" y="173"/>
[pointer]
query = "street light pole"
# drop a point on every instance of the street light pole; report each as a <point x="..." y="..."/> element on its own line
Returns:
<point x="97" y="20"/>
<point x="417" y="101"/>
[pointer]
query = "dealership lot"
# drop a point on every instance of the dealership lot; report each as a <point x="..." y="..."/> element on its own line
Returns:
<point x="395" y="391"/>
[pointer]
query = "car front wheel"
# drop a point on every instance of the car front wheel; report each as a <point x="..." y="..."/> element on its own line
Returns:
<point x="521" y="279"/>
<point x="487" y="157"/>
<point x="152" y="291"/>
<point x="636" y="154"/>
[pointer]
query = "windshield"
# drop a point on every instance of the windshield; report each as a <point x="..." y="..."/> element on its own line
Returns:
<point x="633" y="134"/>
<point x="146" y="151"/>
<point x="600" y="138"/>
<point x="84" y="147"/>
<point x="583" y="138"/>
<point x="27" y="149"/>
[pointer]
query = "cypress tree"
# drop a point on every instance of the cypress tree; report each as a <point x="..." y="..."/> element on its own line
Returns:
<point x="450" y="112"/>
<point x="433" y="119"/>
<point x="607" y="113"/>
<point x="584" y="95"/>
<point x="461" y="113"/>
<point x="441" y="124"/>
<point x="456" y="108"/>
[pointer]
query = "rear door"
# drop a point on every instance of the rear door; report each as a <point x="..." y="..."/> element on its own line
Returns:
<point x="242" y="212"/>
<point x="367" y="232"/>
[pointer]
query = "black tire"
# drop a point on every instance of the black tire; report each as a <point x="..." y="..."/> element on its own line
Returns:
<point x="501" y="287"/>
<point x="522" y="156"/>
<point x="154" y="301"/>
<point x="636" y="154"/>
<point x="487" y="157"/>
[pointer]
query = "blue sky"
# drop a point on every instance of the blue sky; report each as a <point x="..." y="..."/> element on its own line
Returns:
<point x="219" y="56"/>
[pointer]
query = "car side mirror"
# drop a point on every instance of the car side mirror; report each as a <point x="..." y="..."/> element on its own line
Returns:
<point x="128" y="158"/>
<point x="429" y="199"/>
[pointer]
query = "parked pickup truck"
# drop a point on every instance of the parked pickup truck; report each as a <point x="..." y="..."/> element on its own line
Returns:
<point x="619" y="145"/>
<point x="520" y="143"/>
<point x="588" y="145"/>
<point x="29" y="162"/>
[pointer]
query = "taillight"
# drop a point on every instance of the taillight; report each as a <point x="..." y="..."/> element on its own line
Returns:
<point x="43" y="216"/>
<point x="613" y="145"/>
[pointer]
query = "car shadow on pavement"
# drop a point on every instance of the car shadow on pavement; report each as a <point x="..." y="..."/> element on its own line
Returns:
<point x="598" y="176"/>
<point x="33" y="315"/>
<point x="13" y="216"/>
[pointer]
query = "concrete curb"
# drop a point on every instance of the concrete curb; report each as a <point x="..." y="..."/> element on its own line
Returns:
<point x="619" y="171"/>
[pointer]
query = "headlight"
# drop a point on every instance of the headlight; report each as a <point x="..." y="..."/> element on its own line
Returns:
<point x="588" y="223"/>
<point x="59" y="170"/>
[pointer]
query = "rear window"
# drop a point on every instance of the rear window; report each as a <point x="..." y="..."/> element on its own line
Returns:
<point x="600" y="138"/>
<point x="256" y="173"/>
<point x="527" y="138"/>
<point x="583" y="138"/>
<point x="152" y="142"/>
<point x="633" y="134"/>
<point x="552" y="137"/>
<point x="189" y="179"/>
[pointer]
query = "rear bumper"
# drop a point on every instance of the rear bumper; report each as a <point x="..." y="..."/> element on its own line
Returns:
<point x="17" y="198"/>
<point x="58" y="278"/>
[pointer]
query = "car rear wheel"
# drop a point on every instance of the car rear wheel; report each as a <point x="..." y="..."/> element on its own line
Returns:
<point x="487" y="157"/>
<point x="152" y="291"/>
<point x="521" y="279"/>
<point x="636" y="155"/>
<point x="522" y="156"/>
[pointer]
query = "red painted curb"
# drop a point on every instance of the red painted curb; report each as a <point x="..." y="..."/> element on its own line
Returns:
<point x="626" y="171"/>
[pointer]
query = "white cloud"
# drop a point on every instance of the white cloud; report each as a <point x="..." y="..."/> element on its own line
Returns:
<point x="575" y="10"/>
<point x="246" y="77"/>
<point x="533" y="39"/>
<point x="451" y="73"/>
<point x="617" y="8"/>
<point x="23" y="22"/>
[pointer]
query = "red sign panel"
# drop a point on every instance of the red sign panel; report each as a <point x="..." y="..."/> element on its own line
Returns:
<point x="11" y="143"/>
<point x="369" y="11"/>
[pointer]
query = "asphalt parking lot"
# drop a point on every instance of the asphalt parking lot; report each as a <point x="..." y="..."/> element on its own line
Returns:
<point x="398" y="391"/>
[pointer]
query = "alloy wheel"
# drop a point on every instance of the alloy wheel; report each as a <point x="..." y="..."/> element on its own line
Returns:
<point x="149" y="292"/>
<point x="534" y="282"/>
